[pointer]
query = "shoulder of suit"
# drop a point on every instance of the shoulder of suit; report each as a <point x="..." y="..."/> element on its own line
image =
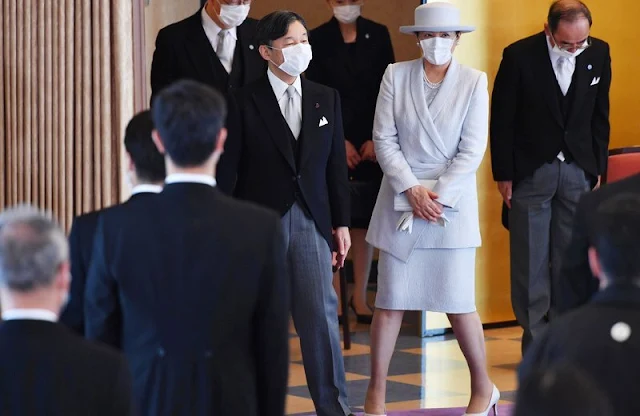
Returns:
<point x="318" y="88"/>
<point x="525" y="44"/>
<point x="403" y="66"/>
<point x="472" y="73"/>
<point x="372" y="25"/>
<point x="599" y="43"/>
<point x="180" y="27"/>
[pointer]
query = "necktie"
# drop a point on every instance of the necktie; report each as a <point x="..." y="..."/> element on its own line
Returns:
<point x="290" y="114"/>
<point x="222" y="50"/>
<point x="564" y="74"/>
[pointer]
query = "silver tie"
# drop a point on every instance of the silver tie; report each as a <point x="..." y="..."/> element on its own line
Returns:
<point x="221" y="50"/>
<point x="564" y="74"/>
<point x="290" y="114"/>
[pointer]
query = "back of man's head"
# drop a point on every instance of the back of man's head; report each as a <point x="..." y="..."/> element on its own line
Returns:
<point x="616" y="238"/>
<point x="34" y="257"/>
<point x="189" y="117"/>
<point x="148" y="161"/>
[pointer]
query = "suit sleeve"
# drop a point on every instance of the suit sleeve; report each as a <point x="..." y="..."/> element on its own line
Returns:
<point x="272" y="327"/>
<point x="385" y="138"/>
<point x="387" y="48"/>
<point x="504" y="104"/>
<point x="102" y="306"/>
<point x="227" y="169"/>
<point x="337" y="174"/>
<point x="162" y="65"/>
<point x="600" y="125"/>
<point x="122" y="402"/>
<point x="577" y="284"/>
<point x="473" y="144"/>
<point x="73" y="314"/>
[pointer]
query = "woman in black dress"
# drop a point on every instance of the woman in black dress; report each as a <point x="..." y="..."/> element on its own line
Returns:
<point x="350" y="54"/>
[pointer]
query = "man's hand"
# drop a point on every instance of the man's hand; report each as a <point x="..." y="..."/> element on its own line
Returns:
<point x="353" y="157"/>
<point x="368" y="151"/>
<point x="595" y="188"/>
<point x="423" y="203"/>
<point x="343" y="243"/>
<point x="505" y="188"/>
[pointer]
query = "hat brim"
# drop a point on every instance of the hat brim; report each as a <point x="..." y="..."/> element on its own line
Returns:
<point x="415" y="29"/>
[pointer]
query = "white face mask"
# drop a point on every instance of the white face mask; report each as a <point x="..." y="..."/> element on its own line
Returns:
<point x="348" y="13"/>
<point x="566" y="53"/>
<point x="437" y="51"/>
<point x="296" y="59"/>
<point x="233" y="15"/>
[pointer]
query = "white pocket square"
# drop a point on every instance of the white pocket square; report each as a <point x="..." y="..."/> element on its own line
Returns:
<point x="595" y="81"/>
<point x="323" y="122"/>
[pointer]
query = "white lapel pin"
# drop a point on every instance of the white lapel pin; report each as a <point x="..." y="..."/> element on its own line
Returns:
<point x="323" y="122"/>
<point x="251" y="47"/>
<point x="367" y="36"/>
<point x="589" y="67"/>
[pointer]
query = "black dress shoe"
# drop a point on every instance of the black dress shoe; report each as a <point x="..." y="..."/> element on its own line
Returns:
<point x="362" y="319"/>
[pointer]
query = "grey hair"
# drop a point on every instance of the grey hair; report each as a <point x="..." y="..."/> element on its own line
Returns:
<point x="32" y="249"/>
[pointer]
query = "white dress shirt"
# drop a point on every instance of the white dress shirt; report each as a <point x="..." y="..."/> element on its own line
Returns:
<point x="280" y="90"/>
<point x="212" y="30"/>
<point x="146" y="188"/>
<point x="31" y="314"/>
<point x="190" y="178"/>
<point x="565" y="76"/>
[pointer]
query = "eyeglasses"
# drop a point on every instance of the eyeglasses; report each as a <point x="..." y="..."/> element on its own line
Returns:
<point x="236" y="2"/>
<point x="566" y="47"/>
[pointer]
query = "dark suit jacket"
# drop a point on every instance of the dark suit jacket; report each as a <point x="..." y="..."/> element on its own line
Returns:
<point x="191" y="285"/>
<point x="183" y="51"/>
<point x="578" y="284"/>
<point x="356" y="71"/>
<point x="46" y="370"/>
<point x="528" y="127"/>
<point x="80" y="246"/>
<point x="583" y="338"/>
<point x="263" y="156"/>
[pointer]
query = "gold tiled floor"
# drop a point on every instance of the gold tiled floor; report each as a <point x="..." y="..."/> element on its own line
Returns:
<point x="424" y="373"/>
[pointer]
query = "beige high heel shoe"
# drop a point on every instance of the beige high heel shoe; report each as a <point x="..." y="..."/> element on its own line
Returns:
<point x="493" y="404"/>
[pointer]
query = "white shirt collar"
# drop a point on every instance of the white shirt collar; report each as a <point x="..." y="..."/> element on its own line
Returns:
<point x="211" y="29"/>
<point x="146" y="188"/>
<point x="31" y="314"/>
<point x="190" y="178"/>
<point x="280" y="87"/>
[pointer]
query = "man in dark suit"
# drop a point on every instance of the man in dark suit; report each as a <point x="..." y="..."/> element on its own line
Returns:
<point x="45" y="369"/>
<point x="215" y="46"/>
<point x="191" y="283"/>
<point x="578" y="283"/>
<point x="145" y="175"/>
<point x="549" y="138"/>
<point x="601" y="338"/>
<point x="289" y="155"/>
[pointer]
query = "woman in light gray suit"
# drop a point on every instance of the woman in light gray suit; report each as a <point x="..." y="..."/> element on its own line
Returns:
<point x="430" y="135"/>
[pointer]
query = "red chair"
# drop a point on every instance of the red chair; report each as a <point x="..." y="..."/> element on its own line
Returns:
<point x="622" y="163"/>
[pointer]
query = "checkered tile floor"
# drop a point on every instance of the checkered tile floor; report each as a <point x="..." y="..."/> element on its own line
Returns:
<point x="424" y="373"/>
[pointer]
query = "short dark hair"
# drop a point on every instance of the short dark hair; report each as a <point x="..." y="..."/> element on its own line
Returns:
<point x="139" y="144"/>
<point x="276" y="25"/>
<point x="569" y="11"/>
<point x="561" y="390"/>
<point x="615" y="237"/>
<point x="188" y="116"/>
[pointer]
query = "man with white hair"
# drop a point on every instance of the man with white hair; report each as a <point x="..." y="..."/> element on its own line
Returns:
<point x="48" y="369"/>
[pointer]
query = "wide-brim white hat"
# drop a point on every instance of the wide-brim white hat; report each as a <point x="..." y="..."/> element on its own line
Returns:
<point x="437" y="17"/>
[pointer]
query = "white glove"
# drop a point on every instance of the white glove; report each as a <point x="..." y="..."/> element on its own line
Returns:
<point x="406" y="222"/>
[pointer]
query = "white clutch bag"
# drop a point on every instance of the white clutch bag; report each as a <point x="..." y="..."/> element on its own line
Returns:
<point x="401" y="204"/>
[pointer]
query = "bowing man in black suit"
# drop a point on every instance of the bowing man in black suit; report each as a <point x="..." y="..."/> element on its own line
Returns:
<point x="215" y="46"/>
<point x="146" y="176"/>
<point x="578" y="283"/>
<point x="289" y="156"/>
<point x="46" y="369"/>
<point x="549" y="139"/>
<point x="601" y="337"/>
<point x="191" y="283"/>
<point x="350" y="54"/>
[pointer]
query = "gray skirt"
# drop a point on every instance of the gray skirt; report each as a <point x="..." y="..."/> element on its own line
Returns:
<point x="436" y="280"/>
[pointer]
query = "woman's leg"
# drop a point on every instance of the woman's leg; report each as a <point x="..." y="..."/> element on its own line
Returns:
<point x="470" y="335"/>
<point x="362" y="256"/>
<point x="384" y="333"/>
